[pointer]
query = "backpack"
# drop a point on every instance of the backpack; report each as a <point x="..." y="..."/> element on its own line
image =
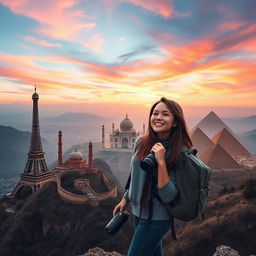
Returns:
<point x="192" y="179"/>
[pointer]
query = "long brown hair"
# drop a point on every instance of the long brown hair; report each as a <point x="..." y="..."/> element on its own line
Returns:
<point x="178" y="135"/>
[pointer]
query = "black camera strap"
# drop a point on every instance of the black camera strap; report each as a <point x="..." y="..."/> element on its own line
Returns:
<point x="128" y="182"/>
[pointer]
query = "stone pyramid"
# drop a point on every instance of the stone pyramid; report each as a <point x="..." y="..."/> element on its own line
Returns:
<point x="218" y="158"/>
<point x="230" y="143"/>
<point x="201" y="141"/>
<point x="211" y="124"/>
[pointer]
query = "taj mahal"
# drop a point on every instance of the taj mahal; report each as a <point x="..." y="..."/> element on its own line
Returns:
<point x="122" y="138"/>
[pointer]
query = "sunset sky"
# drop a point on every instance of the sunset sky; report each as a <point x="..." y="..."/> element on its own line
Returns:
<point x="125" y="54"/>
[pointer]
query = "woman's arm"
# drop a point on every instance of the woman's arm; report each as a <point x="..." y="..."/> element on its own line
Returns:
<point x="163" y="177"/>
<point x="166" y="184"/>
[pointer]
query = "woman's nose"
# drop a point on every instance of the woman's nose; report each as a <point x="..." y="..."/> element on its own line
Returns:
<point x="158" y="117"/>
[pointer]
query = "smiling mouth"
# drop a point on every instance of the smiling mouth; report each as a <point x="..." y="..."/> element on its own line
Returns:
<point x="158" y="124"/>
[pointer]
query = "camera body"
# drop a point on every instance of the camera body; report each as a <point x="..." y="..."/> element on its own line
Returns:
<point x="149" y="162"/>
<point x="117" y="222"/>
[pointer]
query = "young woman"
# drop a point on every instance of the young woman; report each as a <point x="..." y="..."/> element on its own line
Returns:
<point x="166" y="135"/>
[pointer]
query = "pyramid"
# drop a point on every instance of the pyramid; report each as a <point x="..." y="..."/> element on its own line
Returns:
<point x="201" y="141"/>
<point x="218" y="158"/>
<point x="211" y="124"/>
<point x="230" y="143"/>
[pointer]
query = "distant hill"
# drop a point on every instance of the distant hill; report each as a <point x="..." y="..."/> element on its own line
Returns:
<point x="119" y="161"/>
<point x="47" y="225"/>
<point x="76" y="118"/>
<point x="76" y="127"/>
<point x="230" y="220"/>
<point x="250" y="140"/>
<point x="103" y="166"/>
<point x="14" y="146"/>
<point x="242" y="124"/>
<point x="229" y="178"/>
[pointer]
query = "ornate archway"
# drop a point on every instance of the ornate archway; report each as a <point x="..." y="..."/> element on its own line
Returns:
<point x="124" y="143"/>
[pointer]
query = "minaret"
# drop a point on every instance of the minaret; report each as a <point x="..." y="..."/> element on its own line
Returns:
<point x="60" y="149"/>
<point x="90" y="157"/>
<point x="113" y="128"/>
<point x="103" y="137"/>
<point x="36" y="172"/>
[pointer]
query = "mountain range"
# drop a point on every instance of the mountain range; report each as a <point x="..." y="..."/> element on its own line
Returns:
<point x="76" y="119"/>
<point x="14" y="147"/>
<point x="249" y="139"/>
<point x="230" y="219"/>
<point x="44" y="224"/>
<point x="241" y="124"/>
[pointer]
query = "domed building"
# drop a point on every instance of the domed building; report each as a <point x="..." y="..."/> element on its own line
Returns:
<point x="123" y="137"/>
<point x="75" y="160"/>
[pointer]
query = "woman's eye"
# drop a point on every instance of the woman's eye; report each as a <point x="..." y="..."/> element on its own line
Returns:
<point x="155" y="114"/>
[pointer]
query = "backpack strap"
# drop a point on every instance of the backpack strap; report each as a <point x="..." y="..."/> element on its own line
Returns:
<point x="193" y="151"/>
<point x="128" y="182"/>
<point x="173" y="232"/>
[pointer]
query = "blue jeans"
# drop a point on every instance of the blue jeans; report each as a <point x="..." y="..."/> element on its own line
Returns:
<point x="147" y="237"/>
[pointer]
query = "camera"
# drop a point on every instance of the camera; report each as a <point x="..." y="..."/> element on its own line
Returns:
<point x="149" y="162"/>
<point x="117" y="222"/>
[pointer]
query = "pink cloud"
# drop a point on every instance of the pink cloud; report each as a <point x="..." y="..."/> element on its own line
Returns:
<point x="121" y="38"/>
<point x="231" y="25"/>
<point x="41" y="42"/>
<point x="96" y="43"/>
<point x="58" y="19"/>
<point x="242" y="40"/>
<point x="161" y="7"/>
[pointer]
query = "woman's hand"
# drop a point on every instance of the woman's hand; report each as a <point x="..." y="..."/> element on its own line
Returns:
<point x="121" y="207"/>
<point x="163" y="177"/>
<point x="159" y="151"/>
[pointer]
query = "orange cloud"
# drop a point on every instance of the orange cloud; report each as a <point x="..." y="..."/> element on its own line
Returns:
<point x="54" y="17"/>
<point x="185" y="74"/>
<point x="41" y="42"/>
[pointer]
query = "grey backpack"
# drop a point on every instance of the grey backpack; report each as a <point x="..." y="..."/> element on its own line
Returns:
<point x="192" y="179"/>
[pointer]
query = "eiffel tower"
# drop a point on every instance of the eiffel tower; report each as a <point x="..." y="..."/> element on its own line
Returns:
<point x="36" y="172"/>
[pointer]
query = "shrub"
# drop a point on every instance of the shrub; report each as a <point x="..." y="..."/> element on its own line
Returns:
<point x="249" y="189"/>
<point x="226" y="190"/>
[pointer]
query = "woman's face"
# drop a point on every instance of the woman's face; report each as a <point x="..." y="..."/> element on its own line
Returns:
<point x="162" y="120"/>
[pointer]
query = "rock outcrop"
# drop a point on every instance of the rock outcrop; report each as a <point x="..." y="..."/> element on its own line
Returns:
<point x="223" y="250"/>
<point x="100" y="252"/>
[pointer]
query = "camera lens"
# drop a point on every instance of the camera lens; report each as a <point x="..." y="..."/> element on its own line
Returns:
<point x="149" y="162"/>
<point x="117" y="222"/>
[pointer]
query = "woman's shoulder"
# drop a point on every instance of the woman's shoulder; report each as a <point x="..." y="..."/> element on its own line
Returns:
<point x="136" y="143"/>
